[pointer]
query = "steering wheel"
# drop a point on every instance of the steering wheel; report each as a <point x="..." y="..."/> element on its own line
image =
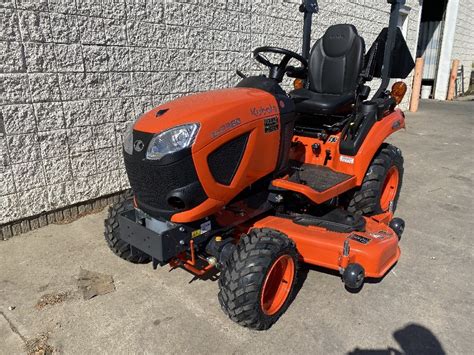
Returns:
<point x="278" y="71"/>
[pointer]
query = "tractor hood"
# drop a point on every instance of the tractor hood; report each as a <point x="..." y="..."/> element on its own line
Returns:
<point x="217" y="112"/>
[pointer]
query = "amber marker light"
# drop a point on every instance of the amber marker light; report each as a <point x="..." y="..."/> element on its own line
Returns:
<point x="298" y="84"/>
<point x="399" y="89"/>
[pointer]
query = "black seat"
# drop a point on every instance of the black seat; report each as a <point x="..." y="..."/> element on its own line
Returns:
<point x="335" y="63"/>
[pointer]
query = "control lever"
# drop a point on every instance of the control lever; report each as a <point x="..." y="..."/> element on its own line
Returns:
<point x="298" y="176"/>
<point x="328" y="157"/>
<point x="316" y="148"/>
<point x="242" y="75"/>
<point x="322" y="136"/>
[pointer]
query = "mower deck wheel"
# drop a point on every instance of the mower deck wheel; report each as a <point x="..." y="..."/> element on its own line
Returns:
<point x="382" y="184"/>
<point x="112" y="235"/>
<point x="257" y="282"/>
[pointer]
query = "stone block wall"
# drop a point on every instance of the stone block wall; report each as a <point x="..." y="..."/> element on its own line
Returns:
<point x="463" y="45"/>
<point x="75" y="73"/>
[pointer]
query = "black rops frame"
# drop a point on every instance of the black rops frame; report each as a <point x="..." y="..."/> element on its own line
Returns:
<point x="390" y="45"/>
<point x="310" y="7"/>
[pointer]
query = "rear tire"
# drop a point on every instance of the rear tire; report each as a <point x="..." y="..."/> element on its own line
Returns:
<point x="381" y="187"/>
<point x="112" y="235"/>
<point x="258" y="281"/>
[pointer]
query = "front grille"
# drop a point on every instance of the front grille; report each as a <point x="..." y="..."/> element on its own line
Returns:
<point x="225" y="160"/>
<point x="152" y="183"/>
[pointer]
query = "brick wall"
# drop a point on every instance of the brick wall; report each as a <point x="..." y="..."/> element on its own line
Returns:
<point x="463" y="45"/>
<point x="75" y="73"/>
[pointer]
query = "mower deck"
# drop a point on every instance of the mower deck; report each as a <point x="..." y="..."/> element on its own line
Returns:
<point x="376" y="249"/>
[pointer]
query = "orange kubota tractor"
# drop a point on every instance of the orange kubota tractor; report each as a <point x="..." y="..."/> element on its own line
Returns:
<point x="252" y="181"/>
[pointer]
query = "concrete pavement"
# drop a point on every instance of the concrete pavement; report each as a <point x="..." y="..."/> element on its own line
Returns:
<point x="424" y="305"/>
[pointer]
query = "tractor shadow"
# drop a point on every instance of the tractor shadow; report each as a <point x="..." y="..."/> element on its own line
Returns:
<point x="412" y="339"/>
<point x="302" y="275"/>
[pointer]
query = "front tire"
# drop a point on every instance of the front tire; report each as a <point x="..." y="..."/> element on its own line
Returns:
<point x="258" y="281"/>
<point x="112" y="235"/>
<point x="382" y="183"/>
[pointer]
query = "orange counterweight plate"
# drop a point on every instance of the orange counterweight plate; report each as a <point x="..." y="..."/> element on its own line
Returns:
<point x="377" y="253"/>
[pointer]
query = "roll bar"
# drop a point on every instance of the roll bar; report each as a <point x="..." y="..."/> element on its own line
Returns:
<point x="308" y="7"/>
<point x="390" y="45"/>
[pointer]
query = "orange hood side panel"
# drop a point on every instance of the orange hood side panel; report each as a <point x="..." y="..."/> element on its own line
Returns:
<point x="218" y="112"/>
<point x="223" y="115"/>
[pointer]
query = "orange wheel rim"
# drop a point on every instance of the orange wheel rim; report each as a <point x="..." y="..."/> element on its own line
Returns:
<point x="389" y="189"/>
<point x="277" y="285"/>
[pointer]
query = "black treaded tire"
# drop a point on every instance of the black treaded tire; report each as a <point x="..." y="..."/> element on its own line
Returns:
<point x="117" y="245"/>
<point x="243" y="276"/>
<point x="366" y="199"/>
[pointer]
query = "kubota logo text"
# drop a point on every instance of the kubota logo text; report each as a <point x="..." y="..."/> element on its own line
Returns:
<point x="264" y="111"/>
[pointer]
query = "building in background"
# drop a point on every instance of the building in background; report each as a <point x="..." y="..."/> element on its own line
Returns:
<point x="445" y="27"/>
<point x="75" y="73"/>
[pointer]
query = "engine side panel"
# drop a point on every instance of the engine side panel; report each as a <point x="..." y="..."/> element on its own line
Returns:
<point x="258" y="160"/>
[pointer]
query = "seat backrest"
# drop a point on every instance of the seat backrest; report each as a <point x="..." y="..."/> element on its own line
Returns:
<point x="336" y="60"/>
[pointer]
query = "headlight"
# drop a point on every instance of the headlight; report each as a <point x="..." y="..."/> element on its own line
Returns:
<point x="172" y="140"/>
<point x="128" y="140"/>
